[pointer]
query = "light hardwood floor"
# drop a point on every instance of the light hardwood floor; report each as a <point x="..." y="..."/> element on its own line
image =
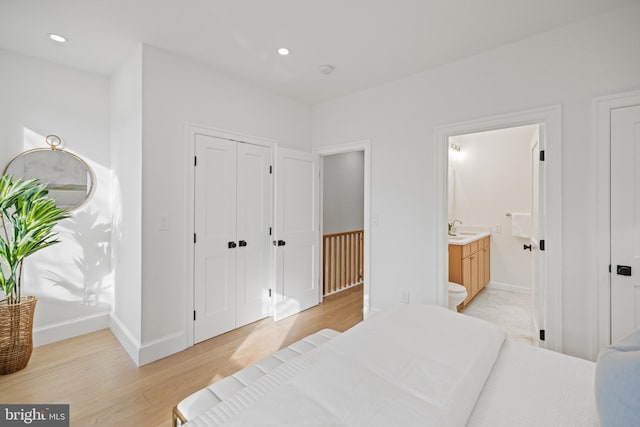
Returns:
<point x="97" y="378"/>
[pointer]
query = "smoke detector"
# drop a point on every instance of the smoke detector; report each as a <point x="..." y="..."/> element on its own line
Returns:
<point x="326" y="69"/>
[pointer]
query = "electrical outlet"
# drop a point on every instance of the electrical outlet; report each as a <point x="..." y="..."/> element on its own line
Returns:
<point x="404" y="297"/>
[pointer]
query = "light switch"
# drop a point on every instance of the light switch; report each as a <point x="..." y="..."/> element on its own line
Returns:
<point x="497" y="228"/>
<point x="375" y="220"/>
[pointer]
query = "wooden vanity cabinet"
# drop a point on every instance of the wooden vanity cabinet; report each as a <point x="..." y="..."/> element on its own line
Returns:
<point x="469" y="265"/>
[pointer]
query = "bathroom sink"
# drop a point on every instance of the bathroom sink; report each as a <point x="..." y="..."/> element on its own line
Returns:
<point x="463" y="237"/>
<point x="466" y="237"/>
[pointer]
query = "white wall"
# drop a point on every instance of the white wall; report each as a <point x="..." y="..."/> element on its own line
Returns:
<point x="343" y="192"/>
<point x="177" y="91"/>
<point x="126" y="162"/>
<point x="567" y="66"/>
<point x="492" y="177"/>
<point x="72" y="279"/>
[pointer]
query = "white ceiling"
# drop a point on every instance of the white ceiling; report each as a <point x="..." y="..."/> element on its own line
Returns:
<point x="369" y="42"/>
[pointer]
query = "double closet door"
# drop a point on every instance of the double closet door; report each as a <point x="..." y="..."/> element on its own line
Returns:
<point x="232" y="226"/>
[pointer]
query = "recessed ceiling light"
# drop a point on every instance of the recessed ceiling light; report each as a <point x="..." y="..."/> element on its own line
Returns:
<point x="283" y="51"/>
<point x="57" y="38"/>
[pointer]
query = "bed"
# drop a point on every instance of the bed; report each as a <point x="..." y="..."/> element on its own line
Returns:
<point x="406" y="366"/>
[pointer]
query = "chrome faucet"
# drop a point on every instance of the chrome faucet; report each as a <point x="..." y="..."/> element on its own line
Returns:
<point x="452" y="227"/>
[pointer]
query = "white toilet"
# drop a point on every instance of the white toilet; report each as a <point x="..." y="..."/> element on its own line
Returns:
<point x="457" y="294"/>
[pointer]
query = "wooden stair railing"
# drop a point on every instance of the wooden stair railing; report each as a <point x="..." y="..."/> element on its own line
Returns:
<point x="343" y="261"/>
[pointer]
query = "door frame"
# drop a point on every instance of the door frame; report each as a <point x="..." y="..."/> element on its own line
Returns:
<point x="551" y="118"/>
<point x="191" y="130"/>
<point x="601" y="153"/>
<point x="365" y="146"/>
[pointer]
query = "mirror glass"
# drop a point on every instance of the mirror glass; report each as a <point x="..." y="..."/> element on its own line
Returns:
<point x="69" y="179"/>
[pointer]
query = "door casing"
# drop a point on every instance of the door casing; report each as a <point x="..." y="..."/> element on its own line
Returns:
<point x="551" y="118"/>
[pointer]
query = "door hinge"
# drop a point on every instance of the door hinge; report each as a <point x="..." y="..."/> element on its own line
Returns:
<point x="194" y="315"/>
<point x="270" y="169"/>
<point x="541" y="245"/>
<point x="269" y="231"/>
<point x="542" y="155"/>
<point x="195" y="160"/>
<point x="269" y="293"/>
<point x="609" y="268"/>
<point x="541" y="334"/>
<point x="194" y="238"/>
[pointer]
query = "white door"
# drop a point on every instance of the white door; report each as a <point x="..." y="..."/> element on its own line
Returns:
<point x="297" y="234"/>
<point x="254" y="207"/>
<point x="625" y="221"/>
<point x="215" y="228"/>
<point x="538" y="282"/>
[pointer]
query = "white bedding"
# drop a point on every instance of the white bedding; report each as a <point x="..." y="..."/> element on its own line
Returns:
<point x="401" y="367"/>
<point x="416" y="365"/>
<point x="530" y="386"/>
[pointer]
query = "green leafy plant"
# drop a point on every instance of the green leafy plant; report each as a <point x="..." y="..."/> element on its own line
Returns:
<point x="27" y="217"/>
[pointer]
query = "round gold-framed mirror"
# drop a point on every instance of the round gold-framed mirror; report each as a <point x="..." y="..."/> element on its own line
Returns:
<point x="69" y="179"/>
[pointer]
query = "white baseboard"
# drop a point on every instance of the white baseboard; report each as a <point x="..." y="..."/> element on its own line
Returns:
<point x="508" y="287"/>
<point x="130" y="344"/>
<point x="163" y="347"/>
<point x="141" y="354"/>
<point x="71" y="328"/>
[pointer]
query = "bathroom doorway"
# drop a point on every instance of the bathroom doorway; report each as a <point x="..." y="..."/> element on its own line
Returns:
<point x="547" y="241"/>
<point x="493" y="192"/>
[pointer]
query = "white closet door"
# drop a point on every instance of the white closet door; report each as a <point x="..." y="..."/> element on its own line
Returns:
<point x="297" y="234"/>
<point x="215" y="228"/>
<point x="625" y="221"/>
<point x="254" y="206"/>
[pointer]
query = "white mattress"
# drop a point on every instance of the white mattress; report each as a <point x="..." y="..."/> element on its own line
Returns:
<point x="412" y="366"/>
<point x="530" y="386"/>
<point x="401" y="367"/>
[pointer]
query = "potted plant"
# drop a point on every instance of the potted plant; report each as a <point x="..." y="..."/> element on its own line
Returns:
<point x="27" y="219"/>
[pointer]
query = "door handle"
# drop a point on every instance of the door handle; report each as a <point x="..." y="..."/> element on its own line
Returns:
<point x="623" y="270"/>
<point x="231" y="245"/>
<point x="279" y="243"/>
<point x="526" y="247"/>
<point x="242" y="243"/>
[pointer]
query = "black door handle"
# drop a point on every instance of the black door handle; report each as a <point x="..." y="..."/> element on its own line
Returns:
<point x="231" y="245"/>
<point x="623" y="270"/>
<point x="281" y="243"/>
<point x="242" y="243"/>
<point x="526" y="247"/>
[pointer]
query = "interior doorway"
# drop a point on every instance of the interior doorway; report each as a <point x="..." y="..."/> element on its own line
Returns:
<point x="343" y="222"/>
<point x="345" y="219"/>
<point x="493" y="205"/>
<point x="550" y="222"/>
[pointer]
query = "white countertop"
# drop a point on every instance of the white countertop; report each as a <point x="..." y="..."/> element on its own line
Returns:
<point x="465" y="237"/>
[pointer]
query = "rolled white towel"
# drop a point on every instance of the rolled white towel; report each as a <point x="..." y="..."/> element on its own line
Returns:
<point x="521" y="225"/>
